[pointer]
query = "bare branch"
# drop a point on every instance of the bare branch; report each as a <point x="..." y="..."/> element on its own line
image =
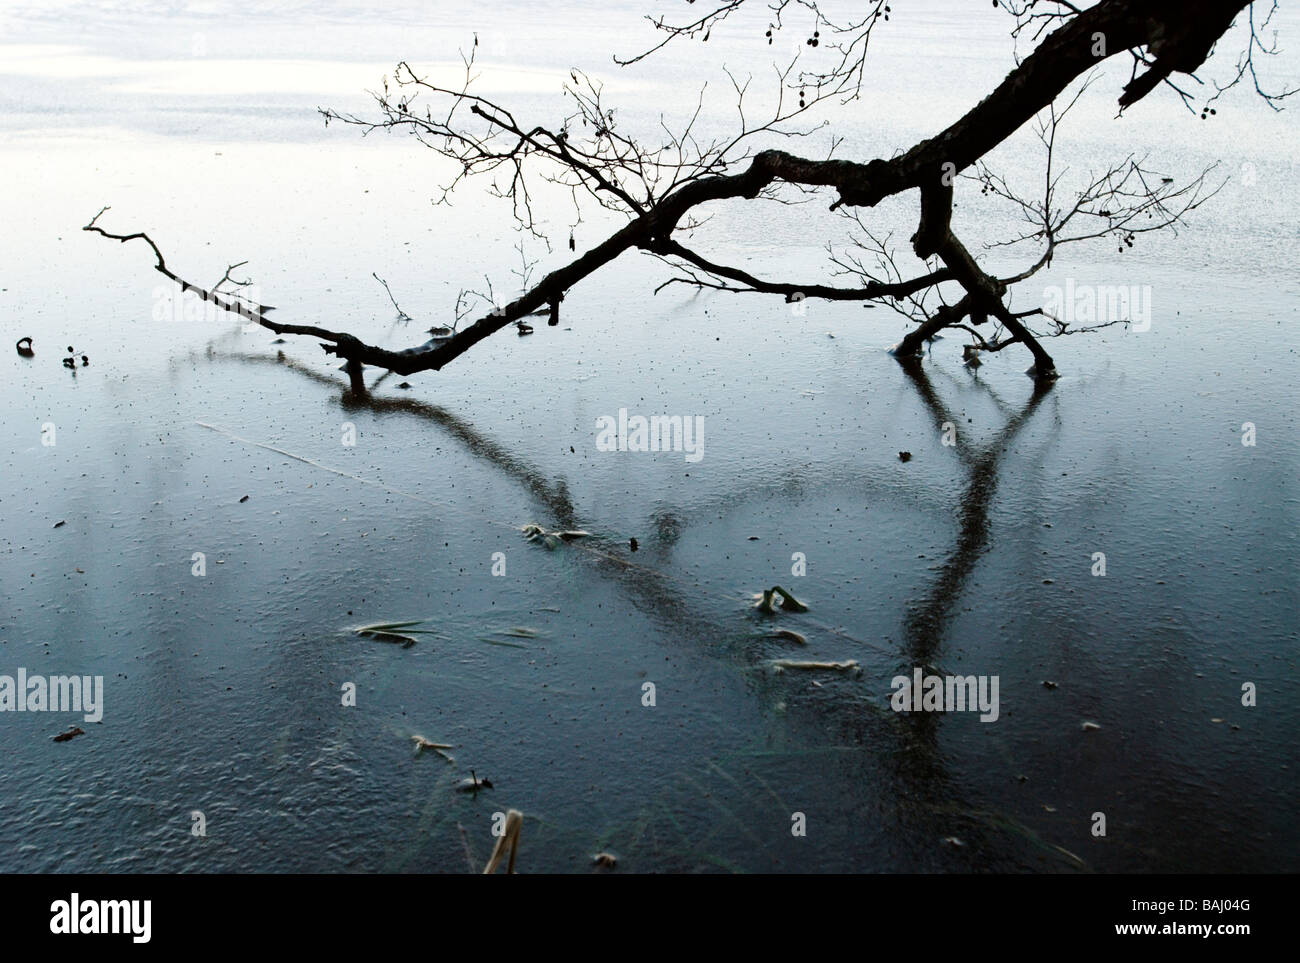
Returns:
<point x="401" y="315"/>
<point x="657" y="182"/>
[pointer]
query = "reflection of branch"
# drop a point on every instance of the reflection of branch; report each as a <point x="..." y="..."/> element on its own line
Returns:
<point x="554" y="495"/>
<point x="668" y="598"/>
<point x="925" y="624"/>
<point x="906" y="748"/>
<point x="922" y="771"/>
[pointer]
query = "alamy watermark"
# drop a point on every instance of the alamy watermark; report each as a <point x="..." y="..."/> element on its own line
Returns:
<point x="56" y="693"/>
<point x="1099" y="303"/>
<point x="77" y="916"/>
<point x="655" y="433"/>
<point x="178" y="305"/>
<point x="951" y="693"/>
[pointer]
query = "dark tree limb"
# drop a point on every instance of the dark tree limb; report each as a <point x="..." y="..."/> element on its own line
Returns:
<point x="627" y="177"/>
<point x="792" y="292"/>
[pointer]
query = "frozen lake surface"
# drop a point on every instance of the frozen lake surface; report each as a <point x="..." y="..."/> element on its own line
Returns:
<point x="223" y="692"/>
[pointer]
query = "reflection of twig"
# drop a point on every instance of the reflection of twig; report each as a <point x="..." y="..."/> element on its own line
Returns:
<point x="926" y="622"/>
<point x="464" y="841"/>
<point x="401" y="315"/>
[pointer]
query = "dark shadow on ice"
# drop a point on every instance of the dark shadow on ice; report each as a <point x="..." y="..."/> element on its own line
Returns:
<point x="905" y="747"/>
<point x="928" y="619"/>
